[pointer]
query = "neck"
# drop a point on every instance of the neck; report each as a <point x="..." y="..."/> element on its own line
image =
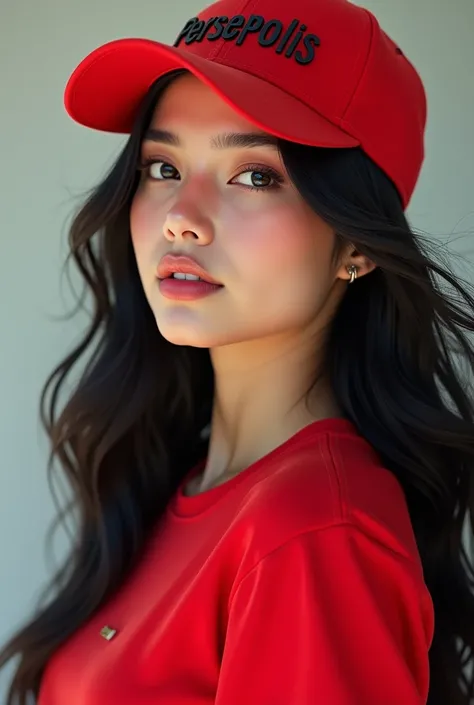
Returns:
<point x="260" y="402"/>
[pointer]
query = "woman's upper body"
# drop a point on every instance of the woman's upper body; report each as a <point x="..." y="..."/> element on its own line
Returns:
<point x="297" y="581"/>
<point x="272" y="154"/>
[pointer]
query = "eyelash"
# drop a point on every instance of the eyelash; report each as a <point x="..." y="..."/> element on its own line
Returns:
<point x="274" y="175"/>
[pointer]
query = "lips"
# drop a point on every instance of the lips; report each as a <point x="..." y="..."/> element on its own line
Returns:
<point x="183" y="264"/>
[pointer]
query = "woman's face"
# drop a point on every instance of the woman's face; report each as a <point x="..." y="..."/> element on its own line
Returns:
<point x="234" y="209"/>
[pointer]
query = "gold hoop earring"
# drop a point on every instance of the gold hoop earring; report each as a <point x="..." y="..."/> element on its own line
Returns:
<point x="352" y="271"/>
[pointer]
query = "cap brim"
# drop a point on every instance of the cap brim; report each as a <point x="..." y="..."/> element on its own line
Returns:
<point x="106" y="89"/>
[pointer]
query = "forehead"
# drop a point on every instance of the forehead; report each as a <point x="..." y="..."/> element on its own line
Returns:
<point x="190" y="103"/>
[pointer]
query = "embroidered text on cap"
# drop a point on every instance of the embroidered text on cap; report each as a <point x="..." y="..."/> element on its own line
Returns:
<point x="271" y="33"/>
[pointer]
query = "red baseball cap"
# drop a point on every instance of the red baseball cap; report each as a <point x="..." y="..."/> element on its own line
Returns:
<point x="317" y="72"/>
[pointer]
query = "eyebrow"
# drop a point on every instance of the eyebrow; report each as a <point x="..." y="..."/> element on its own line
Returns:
<point x="227" y="140"/>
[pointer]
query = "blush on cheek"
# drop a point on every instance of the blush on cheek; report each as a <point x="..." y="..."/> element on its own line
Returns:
<point x="283" y="237"/>
<point x="140" y="222"/>
<point x="287" y="252"/>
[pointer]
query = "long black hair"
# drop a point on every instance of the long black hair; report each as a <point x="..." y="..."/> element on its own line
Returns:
<point x="132" y="427"/>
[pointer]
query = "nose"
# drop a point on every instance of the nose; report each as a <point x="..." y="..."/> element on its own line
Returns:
<point x="186" y="221"/>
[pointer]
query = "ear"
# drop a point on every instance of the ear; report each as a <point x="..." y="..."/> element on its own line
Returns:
<point x="350" y="257"/>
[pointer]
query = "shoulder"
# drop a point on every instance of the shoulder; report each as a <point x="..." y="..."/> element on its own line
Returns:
<point x="335" y="479"/>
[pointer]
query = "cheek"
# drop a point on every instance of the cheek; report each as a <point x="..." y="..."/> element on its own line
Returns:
<point x="284" y="242"/>
<point x="141" y="221"/>
<point x="285" y="269"/>
<point x="144" y="226"/>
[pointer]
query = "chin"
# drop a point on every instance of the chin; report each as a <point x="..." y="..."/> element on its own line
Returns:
<point x="184" y="342"/>
<point x="184" y="336"/>
<point x="189" y="335"/>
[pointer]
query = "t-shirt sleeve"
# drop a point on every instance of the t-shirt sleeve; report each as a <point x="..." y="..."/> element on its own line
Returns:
<point x="332" y="617"/>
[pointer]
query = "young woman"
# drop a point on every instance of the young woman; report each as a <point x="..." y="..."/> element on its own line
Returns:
<point x="271" y="444"/>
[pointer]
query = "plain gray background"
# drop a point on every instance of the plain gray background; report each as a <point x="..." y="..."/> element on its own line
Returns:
<point x="47" y="161"/>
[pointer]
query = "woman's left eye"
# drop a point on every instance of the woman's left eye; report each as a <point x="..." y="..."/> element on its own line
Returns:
<point x="259" y="179"/>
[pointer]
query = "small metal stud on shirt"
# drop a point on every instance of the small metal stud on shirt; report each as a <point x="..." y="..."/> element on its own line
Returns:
<point x="108" y="633"/>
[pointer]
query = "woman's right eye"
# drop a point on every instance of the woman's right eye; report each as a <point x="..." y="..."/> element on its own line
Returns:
<point x="159" y="171"/>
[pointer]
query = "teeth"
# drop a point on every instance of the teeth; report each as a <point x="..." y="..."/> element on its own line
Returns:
<point x="178" y="275"/>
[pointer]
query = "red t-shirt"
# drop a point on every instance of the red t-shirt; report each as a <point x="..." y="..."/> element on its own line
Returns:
<point x="296" y="582"/>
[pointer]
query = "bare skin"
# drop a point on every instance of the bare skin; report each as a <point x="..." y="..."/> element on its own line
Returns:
<point x="266" y="328"/>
